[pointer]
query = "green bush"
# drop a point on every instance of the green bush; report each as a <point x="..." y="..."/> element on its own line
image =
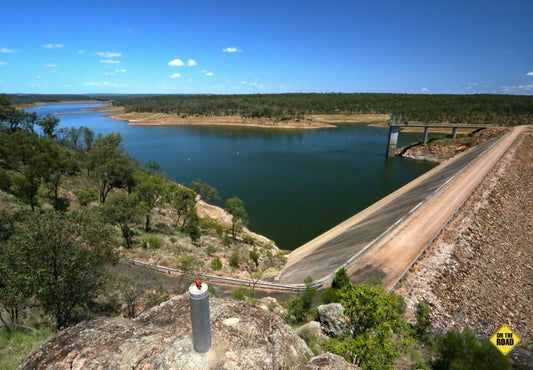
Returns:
<point x="153" y="241"/>
<point x="422" y="327"/>
<point x="211" y="250"/>
<point x="235" y="259"/>
<point x="341" y="279"/>
<point x="456" y="350"/>
<point x="239" y="294"/>
<point x="86" y="196"/>
<point x="296" y="313"/>
<point x="330" y="296"/>
<point x="378" y="327"/>
<point x="216" y="264"/>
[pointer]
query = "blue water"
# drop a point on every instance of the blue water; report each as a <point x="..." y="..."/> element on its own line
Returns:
<point x="295" y="184"/>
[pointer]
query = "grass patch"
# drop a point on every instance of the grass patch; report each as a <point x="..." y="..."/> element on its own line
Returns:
<point x="20" y="343"/>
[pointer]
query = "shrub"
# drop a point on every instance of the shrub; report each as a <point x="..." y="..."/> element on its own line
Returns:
<point x="296" y="313"/>
<point x="330" y="296"/>
<point x="216" y="264"/>
<point x="235" y="259"/>
<point x="421" y="329"/>
<point x="341" y="279"/>
<point x="248" y="240"/>
<point x="86" y="196"/>
<point x="457" y="350"/>
<point x="378" y="328"/>
<point x="211" y="250"/>
<point x="238" y="294"/>
<point x="153" y="241"/>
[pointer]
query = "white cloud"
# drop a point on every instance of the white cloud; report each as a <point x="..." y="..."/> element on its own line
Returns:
<point x="3" y="63"/>
<point x="175" y="75"/>
<point x="99" y="84"/>
<point x="8" y="51"/>
<point x="529" y="74"/>
<point x="108" y="54"/>
<point x="53" y="46"/>
<point x="176" y="63"/>
<point x="231" y="49"/>
<point x="120" y="70"/>
<point x="424" y="90"/>
<point x="50" y="65"/>
<point x="109" y="61"/>
<point x="81" y="51"/>
<point x="209" y="74"/>
<point x="191" y="62"/>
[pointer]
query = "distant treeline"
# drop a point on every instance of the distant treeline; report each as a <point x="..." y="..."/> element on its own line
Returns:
<point x="475" y="109"/>
<point x="24" y="99"/>
<point x="494" y="109"/>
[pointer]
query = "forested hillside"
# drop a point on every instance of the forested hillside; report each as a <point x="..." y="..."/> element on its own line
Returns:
<point x="26" y="99"/>
<point x="487" y="109"/>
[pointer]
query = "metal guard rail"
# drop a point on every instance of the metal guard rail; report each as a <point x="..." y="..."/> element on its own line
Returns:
<point x="207" y="277"/>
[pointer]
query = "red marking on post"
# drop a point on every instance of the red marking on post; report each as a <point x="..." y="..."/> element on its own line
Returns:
<point x="198" y="283"/>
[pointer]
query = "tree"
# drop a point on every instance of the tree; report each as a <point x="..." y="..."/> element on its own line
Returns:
<point x="376" y="324"/>
<point x="149" y="190"/>
<point x="15" y="119"/>
<point x="422" y="327"/>
<point x="299" y="306"/>
<point x="341" y="279"/>
<point x="14" y="285"/>
<point x="257" y="264"/>
<point x="62" y="268"/>
<point x="29" y="156"/>
<point x="122" y="211"/>
<point x="109" y="165"/>
<point x="183" y="202"/>
<point x="235" y="207"/>
<point x="60" y="163"/>
<point x="461" y="350"/>
<point x="206" y="191"/>
<point x="48" y="124"/>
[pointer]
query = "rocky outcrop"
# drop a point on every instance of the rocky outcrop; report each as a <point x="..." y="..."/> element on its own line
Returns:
<point x="441" y="150"/>
<point x="334" y="324"/>
<point x="243" y="337"/>
<point x="329" y="361"/>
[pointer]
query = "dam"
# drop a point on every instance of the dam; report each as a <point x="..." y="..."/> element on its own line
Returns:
<point x="384" y="240"/>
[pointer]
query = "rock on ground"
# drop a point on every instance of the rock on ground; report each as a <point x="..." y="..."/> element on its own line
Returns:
<point x="243" y="337"/>
<point x="334" y="324"/>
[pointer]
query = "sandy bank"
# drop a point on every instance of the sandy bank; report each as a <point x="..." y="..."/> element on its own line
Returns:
<point x="308" y="122"/>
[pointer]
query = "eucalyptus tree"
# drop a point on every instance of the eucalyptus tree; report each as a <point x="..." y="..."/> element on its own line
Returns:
<point x="205" y="190"/>
<point x="29" y="158"/>
<point x="121" y="210"/>
<point x="149" y="190"/>
<point x="53" y="260"/>
<point x="48" y="124"/>
<point x="109" y="165"/>
<point x="183" y="202"/>
<point x="235" y="207"/>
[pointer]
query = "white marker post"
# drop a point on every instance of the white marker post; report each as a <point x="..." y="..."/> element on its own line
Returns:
<point x="200" y="318"/>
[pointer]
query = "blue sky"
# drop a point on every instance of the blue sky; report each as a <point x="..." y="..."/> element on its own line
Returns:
<point x="260" y="46"/>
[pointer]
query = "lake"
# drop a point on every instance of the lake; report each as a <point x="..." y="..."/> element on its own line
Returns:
<point x="295" y="184"/>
